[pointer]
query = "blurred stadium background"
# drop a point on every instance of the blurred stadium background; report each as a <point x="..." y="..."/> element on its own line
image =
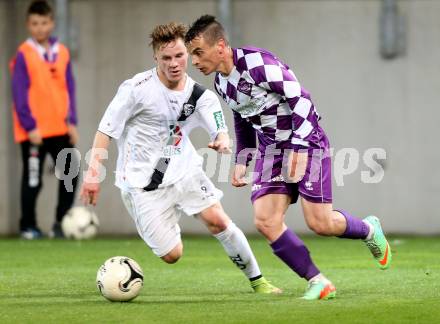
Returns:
<point x="373" y="72"/>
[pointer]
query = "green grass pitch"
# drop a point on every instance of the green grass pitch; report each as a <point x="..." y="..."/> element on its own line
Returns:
<point x="54" y="282"/>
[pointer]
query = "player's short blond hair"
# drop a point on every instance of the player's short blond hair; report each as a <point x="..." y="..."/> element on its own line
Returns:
<point x="164" y="34"/>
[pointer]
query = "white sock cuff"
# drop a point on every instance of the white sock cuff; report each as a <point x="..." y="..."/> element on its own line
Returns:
<point x="227" y="232"/>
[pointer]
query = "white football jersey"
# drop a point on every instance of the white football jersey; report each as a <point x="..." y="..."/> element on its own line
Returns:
<point x="143" y="118"/>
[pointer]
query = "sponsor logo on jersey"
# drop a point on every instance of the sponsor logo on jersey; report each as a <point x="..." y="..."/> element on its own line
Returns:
<point x="218" y="117"/>
<point x="175" y="135"/>
<point x="250" y="108"/>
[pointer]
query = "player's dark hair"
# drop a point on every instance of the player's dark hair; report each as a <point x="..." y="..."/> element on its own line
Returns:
<point x="39" y="7"/>
<point x="208" y="27"/>
<point x="164" y="34"/>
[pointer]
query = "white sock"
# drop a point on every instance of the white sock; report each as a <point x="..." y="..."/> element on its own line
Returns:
<point x="237" y="248"/>
<point x="371" y="232"/>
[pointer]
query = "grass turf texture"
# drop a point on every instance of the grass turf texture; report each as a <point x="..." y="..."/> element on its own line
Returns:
<point x="54" y="282"/>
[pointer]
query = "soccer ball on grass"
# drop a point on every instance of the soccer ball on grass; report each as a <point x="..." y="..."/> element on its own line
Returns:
<point x="120" y="279"/>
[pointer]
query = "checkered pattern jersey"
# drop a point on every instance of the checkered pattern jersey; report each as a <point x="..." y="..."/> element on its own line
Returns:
<point x="268" y="100"/>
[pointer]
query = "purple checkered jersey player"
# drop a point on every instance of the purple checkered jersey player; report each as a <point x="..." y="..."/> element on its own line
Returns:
<point x="292" y="156"/>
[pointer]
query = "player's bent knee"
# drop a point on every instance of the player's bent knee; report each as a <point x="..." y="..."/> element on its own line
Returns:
<point x="171" y="258"/>
<point x="174" y="255"/>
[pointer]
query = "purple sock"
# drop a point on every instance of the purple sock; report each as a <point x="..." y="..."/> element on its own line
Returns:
<point x="356" y="228"/>
<point x="289" y="248"/>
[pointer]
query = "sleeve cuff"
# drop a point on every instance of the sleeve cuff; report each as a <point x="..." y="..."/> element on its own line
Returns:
<point x="30" y="127"/>
<point x="73" y="121"/>
<point x="108" y="133"/>
<point x="214" y="135"/>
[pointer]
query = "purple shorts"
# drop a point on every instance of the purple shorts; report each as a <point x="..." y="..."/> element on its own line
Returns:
<point x="270" y="174"/>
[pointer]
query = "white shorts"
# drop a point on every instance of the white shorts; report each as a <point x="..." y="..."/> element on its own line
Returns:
<point x="156" y="213"/>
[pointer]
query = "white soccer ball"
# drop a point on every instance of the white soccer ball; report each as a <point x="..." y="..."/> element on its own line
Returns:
<point x="120" y="279"/>
<point x="80" y="223"/>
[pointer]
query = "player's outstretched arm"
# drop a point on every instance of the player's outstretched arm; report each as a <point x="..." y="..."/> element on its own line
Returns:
<point x="91" y="185"/>
<point x="112" y="125"/>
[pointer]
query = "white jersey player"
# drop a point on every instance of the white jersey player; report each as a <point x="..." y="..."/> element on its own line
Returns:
<point x="158" y="171"/>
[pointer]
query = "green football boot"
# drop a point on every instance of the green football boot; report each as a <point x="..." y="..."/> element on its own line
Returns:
<point x="378" y="244"/>
<point x="322" y="289"/>
<point x="262" y="286"/>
